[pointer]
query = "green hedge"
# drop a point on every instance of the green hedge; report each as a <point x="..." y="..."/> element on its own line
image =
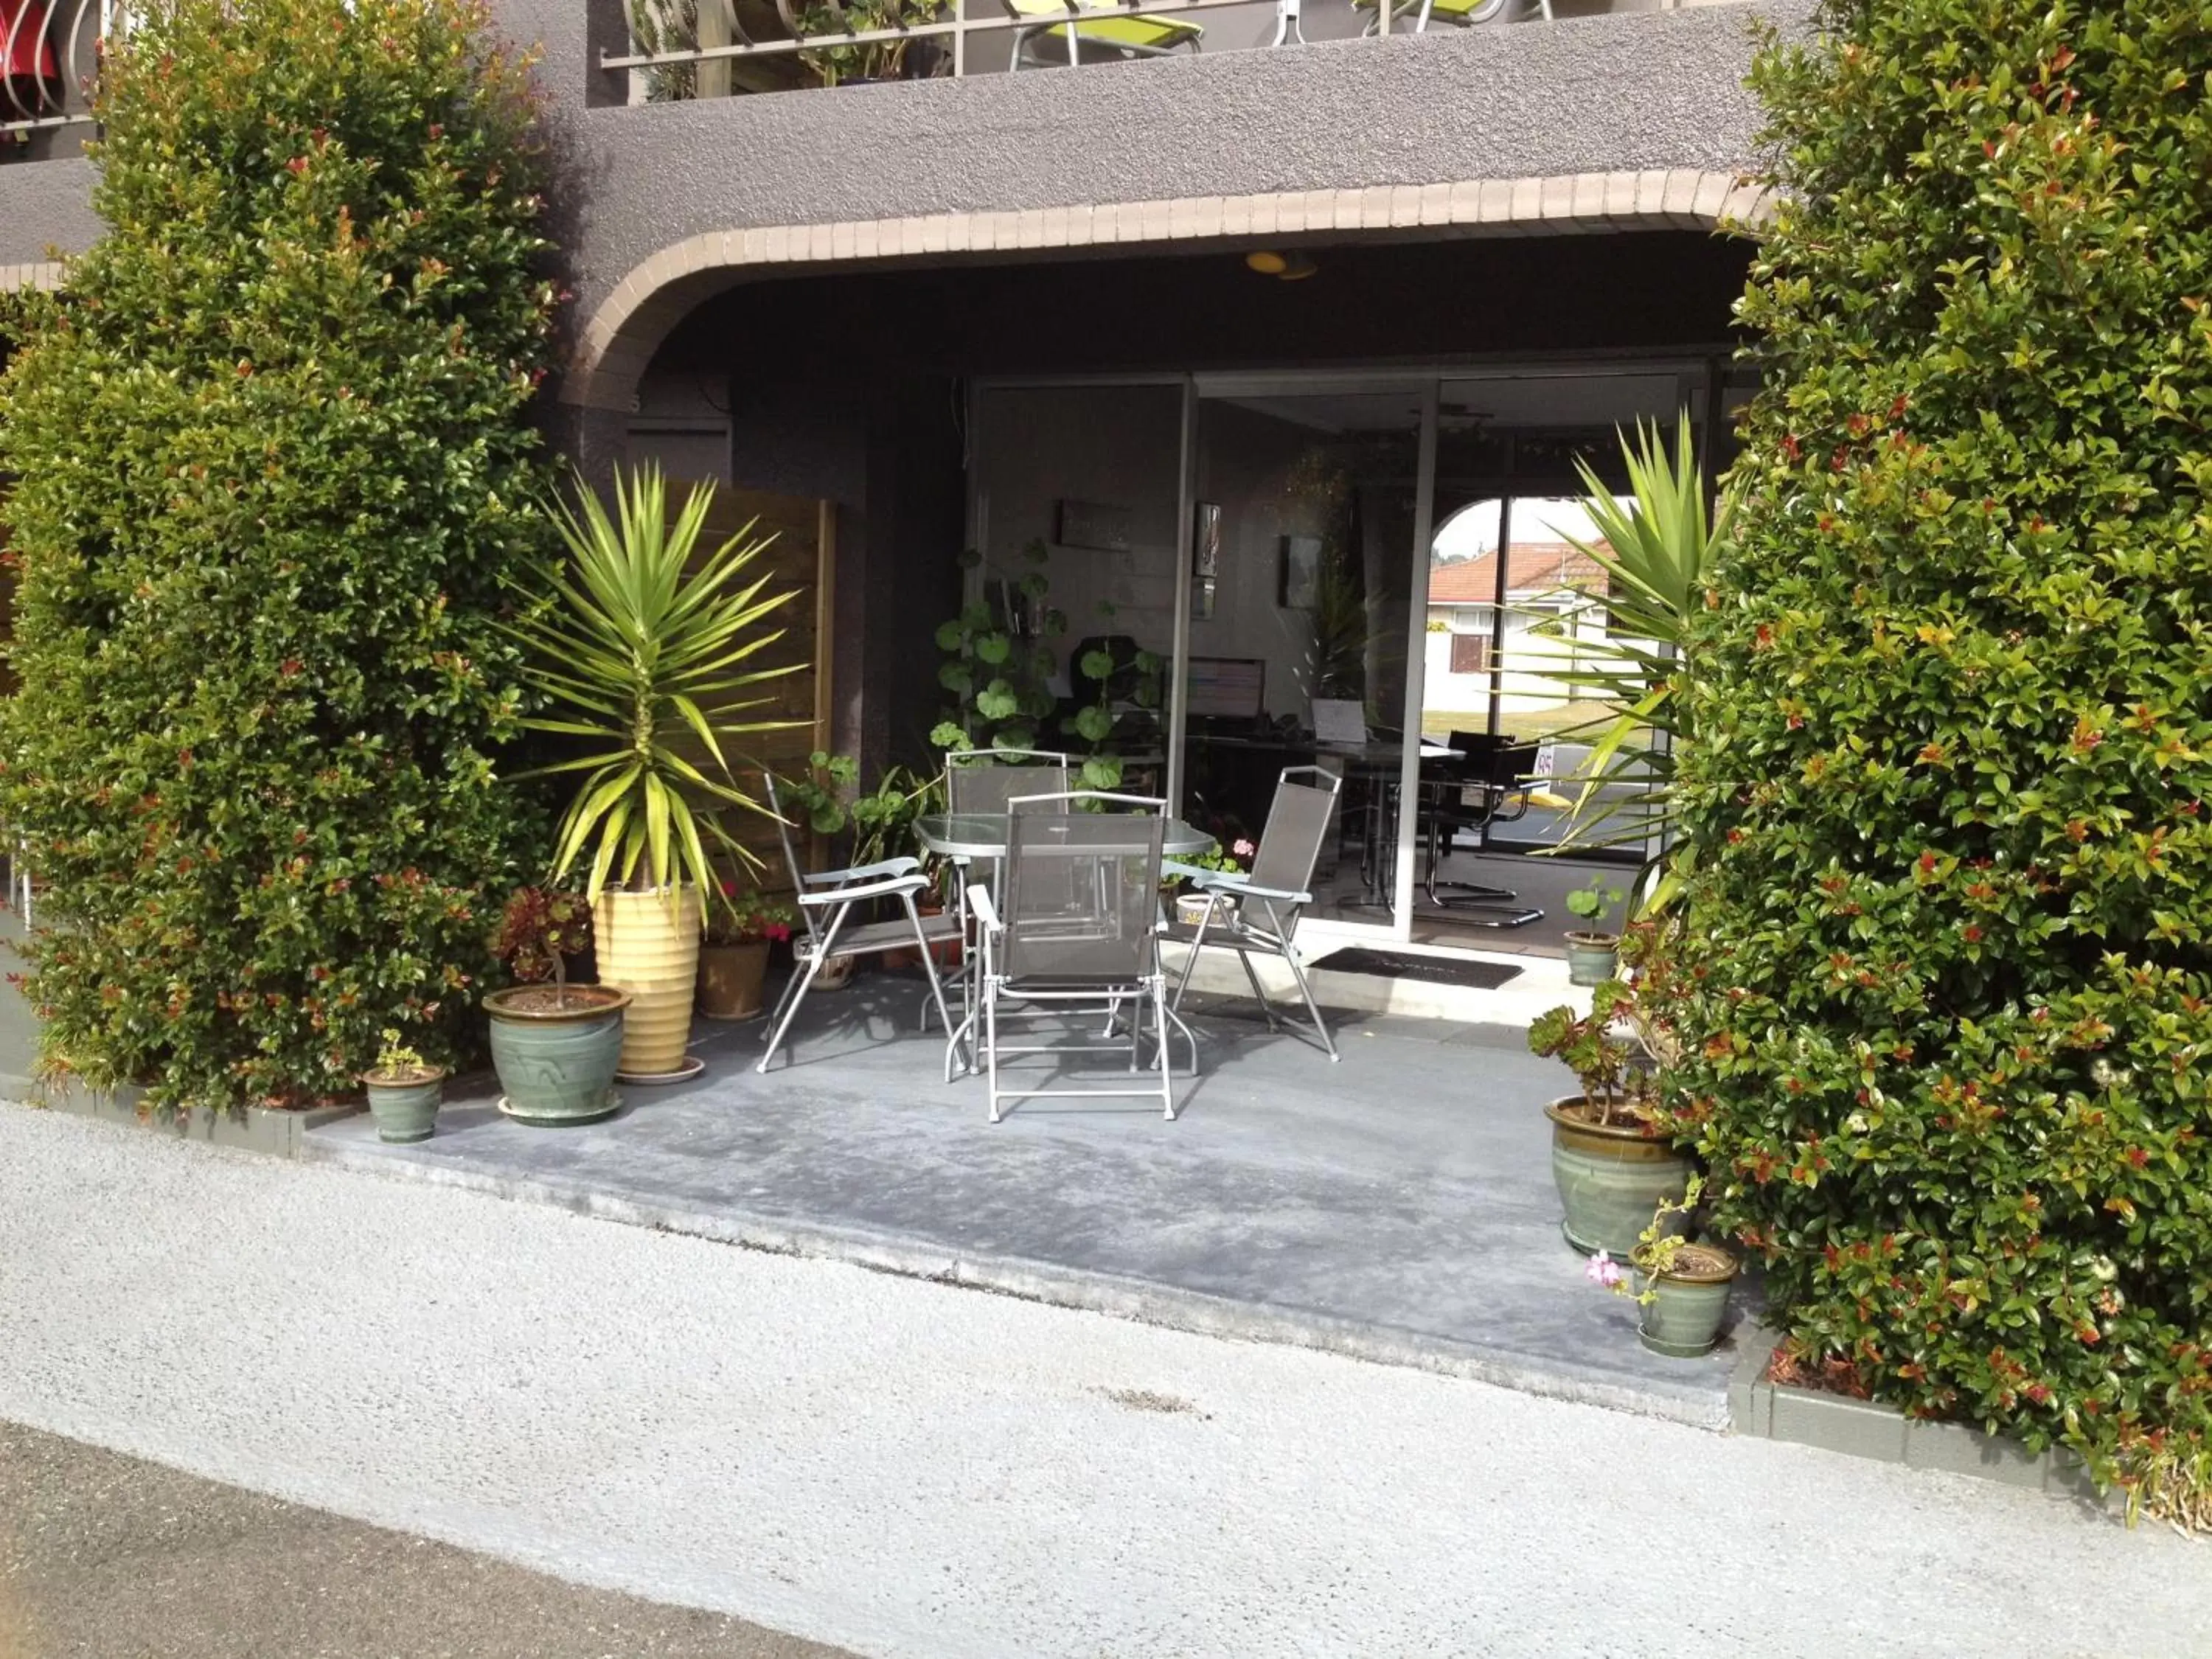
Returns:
<point x="1950" y="939"/>
<point x="274" y="465"/>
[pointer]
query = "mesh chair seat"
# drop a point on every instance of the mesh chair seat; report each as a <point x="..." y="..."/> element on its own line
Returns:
<point x="873" y="938"/>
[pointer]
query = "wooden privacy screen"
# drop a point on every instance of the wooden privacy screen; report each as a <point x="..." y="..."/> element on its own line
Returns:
<point x="801" y="559"/>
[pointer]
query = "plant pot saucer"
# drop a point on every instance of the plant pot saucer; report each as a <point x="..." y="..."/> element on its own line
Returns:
<point x="1676" y="1350"/>
<point x="732" y="1019"/>
<point x="612" y="1103"/>
<point x="692" y="1065"/>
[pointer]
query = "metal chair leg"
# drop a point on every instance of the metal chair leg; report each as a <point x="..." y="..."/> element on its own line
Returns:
<point x="991" y="1045"/>
<point x="1306" y="990"/>
<point x="803" y="983"/>
<point x="1167" y="1064"/>
<point x="1259" y="991"/>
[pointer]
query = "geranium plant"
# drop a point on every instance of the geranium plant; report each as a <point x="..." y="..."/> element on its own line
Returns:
<point x="746" y="916"/>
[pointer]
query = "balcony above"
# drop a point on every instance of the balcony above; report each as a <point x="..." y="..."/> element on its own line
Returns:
<point x="693" y="49"/>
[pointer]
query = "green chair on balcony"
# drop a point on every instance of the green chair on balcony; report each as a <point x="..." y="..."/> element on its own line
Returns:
<point x="1071" y="26"/>
<point x="1459" y="14"/>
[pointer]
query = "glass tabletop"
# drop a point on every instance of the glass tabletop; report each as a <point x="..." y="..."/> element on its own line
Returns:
<point x="983" y="836"/>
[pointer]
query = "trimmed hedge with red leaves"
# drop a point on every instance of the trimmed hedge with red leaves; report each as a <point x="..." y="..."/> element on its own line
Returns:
<point x="1948" y="954"/>
<point x="274" y="468"/>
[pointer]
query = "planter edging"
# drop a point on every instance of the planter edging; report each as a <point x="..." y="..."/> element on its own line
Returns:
<point x="1882" y="1434"/>
<point x="250" y="1128"/>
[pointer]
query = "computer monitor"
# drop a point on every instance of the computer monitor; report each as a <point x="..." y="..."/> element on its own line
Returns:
<point x="1226" y="688"/>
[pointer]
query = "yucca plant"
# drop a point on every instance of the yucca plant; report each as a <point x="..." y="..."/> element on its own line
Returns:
<point x="1657" y="547"/>
<point x="640" y="660"/>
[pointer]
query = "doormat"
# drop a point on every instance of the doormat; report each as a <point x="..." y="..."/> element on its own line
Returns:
<point x="1435" y="970"/>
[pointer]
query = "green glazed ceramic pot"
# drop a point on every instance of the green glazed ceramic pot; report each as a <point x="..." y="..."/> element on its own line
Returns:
<point x="1683" y="1318"/>
<point x="405" y="1111"/>
<point x="1592" y="958"/>
<point x="557" y="1061"/>
<point x="1610" y="1179"/>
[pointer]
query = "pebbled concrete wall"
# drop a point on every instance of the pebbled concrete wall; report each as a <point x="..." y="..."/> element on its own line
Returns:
<point x="45" y="207"/>
<point x="1626" y="91"/>
<point x="1617" y="93"/>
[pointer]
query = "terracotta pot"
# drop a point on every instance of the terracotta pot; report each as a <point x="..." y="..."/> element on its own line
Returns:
<point x="730" y="978"/>
<point x="650" y="948"/>
<point x="1610" y="1178"/>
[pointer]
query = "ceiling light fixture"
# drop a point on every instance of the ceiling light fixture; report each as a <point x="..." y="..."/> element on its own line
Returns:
<point x="1284" y="267"/>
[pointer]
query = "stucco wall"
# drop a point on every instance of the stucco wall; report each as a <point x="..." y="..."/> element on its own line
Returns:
<point x="1595" y="94"/>
<point x="1626" y="92"/>
<point x="46" y="204"/>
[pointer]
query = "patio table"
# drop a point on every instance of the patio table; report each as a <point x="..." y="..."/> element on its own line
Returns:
<point x="967" y="835"/>
<point x="983" y="836"/>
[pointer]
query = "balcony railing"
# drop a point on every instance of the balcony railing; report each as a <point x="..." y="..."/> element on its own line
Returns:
<point x="713" y="48"/>
<point x="49" y="55"/>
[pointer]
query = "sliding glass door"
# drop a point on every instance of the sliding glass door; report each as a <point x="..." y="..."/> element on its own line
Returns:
<point x="1373" y="575"/>
<point x="1307" y="511"/>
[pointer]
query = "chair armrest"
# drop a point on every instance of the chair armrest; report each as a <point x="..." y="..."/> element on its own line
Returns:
<point x="867" y="890"/>
<point x="861" y="872"/>
<point x="985" y="912"/>
<point x="1187" y="872"/>
<point x="1241" y="886"/>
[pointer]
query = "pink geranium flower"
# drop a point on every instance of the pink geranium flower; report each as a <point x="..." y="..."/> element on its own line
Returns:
<point x="1602" y="1270"/>
<point x="1243" y="849"/>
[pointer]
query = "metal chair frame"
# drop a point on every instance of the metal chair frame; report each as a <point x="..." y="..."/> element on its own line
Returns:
<point x="1054" y="992"/>
<point x="829" y="940"/>
<point x="1282" y="906"/>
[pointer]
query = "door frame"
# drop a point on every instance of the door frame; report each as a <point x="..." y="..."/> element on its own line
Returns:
<point x="1700" y="375"/>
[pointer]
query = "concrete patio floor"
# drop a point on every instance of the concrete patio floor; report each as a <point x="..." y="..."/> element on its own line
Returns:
<point x="1397" y="1207"/>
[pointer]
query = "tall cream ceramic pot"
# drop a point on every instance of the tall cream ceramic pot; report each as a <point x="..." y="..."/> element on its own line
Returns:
<point x="650" y="948"/>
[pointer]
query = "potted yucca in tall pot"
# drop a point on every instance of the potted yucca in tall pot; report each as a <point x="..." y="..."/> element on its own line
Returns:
<point x="646" y="652"/>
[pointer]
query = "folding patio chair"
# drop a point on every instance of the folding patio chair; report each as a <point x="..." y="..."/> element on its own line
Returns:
<point x="1076" y="933"/>
<point x="982" y="781"/>
<point x="1269" y="899"/>
<point x="1108" y="28"/>
<point x="1462" y="14"/>
<point x="832" y="936"/>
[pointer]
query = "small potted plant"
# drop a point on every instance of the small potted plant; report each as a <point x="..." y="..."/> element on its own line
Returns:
<point x="1612" y="1157"/>
<point x="1681" y="1287"/>
<point x="404" y="1091"/>
<point x="1190" y="902"/>
<point x="554" y="1046"/>
<point x="733" y="960"/>
<point x="1593" y="956"/>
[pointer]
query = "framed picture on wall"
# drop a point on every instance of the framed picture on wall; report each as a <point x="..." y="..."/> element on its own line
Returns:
<point x="1297" y="582"/>
<point x="1205" y="557"/>
<point x="1094" y="525"/>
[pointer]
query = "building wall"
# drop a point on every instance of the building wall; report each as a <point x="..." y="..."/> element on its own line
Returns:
<point x="1595" y="94"/>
